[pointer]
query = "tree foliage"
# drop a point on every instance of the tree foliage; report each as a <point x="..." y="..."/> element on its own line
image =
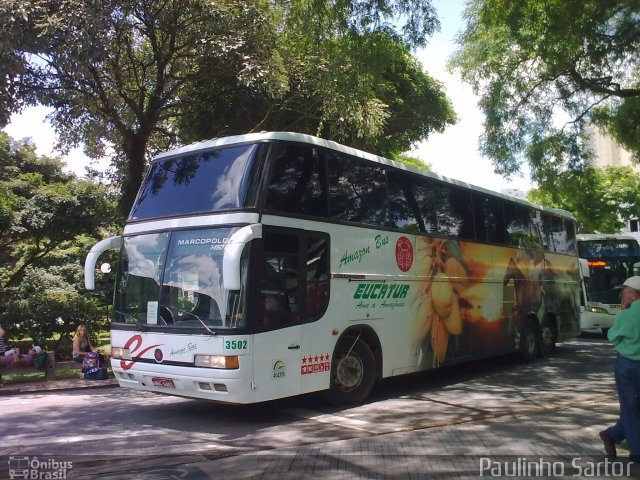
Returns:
<point x="49" y="220"/>
<point x="534" y="62"/>
<point x="137" y="77"/>
<point x="366" y="91"/>
<point x="600" y="198"/>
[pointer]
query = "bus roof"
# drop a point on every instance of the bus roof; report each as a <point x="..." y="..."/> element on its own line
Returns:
<point x="329" y="144"/>
<point x="605" y="236"/>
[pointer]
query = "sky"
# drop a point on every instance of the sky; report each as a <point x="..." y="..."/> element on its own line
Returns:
<point x="453" y="153"/>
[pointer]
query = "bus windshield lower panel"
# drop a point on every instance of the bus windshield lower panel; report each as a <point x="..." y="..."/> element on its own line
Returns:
<point x="176" y="280"/>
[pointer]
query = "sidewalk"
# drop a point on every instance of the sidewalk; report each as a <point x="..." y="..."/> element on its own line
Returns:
<point x="55" y="386"/>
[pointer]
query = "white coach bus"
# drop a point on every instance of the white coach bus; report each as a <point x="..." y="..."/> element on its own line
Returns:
<point x="267" y="265"/>
<point x="612" y="259"/>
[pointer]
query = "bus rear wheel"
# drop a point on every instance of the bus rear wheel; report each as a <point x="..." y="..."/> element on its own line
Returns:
<point x="547" y="338"/>
<point x="353" y="372"/>
<point x="529" y="341"/>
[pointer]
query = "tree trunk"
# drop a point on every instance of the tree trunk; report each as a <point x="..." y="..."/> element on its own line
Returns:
<point x="134" y="146"/>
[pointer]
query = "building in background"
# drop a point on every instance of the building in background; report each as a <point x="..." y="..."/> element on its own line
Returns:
<point x="607" y="152"/>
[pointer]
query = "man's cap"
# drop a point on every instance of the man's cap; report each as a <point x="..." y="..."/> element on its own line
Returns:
<point x="633" y="282"/>
<point x="37" y="348"/>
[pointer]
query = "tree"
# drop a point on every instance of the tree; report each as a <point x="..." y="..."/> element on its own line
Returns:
<point x="600" y="198"/>
<point x="121" y="75"/>
<point x="113" y="70"/>
<point x="533" y="62"/>
<point x="414" y="162"/>
<point x="49" y="221"/>
<point x="365" y="90"/>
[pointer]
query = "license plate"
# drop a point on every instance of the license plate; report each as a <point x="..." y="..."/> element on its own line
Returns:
<point x="163" y="382"/>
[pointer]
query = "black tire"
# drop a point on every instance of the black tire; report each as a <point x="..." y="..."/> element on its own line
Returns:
<point x="353" y="372"/>
<point x="604" y="331"/>
<point x="529" y="341"/>
<point x="547" y="338"/>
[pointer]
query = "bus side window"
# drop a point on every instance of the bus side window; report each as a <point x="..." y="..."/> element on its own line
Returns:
<point x="554" y="235"/>
<point x="570" y="231"/>
<point x="293" y="278"/>
<point x="297" y="183"/>
<point x="357" y="190"/>
<point x="462" y="208"/>
<point x="489" y="220"/>
<point x="453" y="211"/>
<point x="271" y="299"/>
<point x="279" y="287"/>
<point x="522" y="230"/>
<point x="433" y="199"/>
<point x="317" y="272"/>
<point x="404" y="203"/>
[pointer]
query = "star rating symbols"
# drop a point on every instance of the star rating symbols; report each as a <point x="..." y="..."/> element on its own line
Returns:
<point x="315" y="364"/>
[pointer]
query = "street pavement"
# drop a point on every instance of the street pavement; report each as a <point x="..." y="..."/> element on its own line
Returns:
<point x="553" y="436"/>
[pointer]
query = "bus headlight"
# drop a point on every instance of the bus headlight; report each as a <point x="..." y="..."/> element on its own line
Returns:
<point x="217" y="361"/>
<point x="598" y="310"/>
<point x="120" y="353"/>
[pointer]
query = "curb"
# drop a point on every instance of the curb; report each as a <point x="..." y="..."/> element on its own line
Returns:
<point x="57" y="386"/>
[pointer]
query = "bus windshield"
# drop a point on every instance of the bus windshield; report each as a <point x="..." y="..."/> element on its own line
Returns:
<point x="175" y="279"/>
<point x="611" y="262"/>
<point x="208" y="181"/>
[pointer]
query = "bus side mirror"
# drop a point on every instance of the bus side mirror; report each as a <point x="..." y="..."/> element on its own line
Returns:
<point x="233" y="254"/>
<point x="92" y="257"/>
<point x="584" y="268"/>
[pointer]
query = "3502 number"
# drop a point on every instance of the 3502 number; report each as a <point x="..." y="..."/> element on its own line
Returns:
<point x="235" y="344"/>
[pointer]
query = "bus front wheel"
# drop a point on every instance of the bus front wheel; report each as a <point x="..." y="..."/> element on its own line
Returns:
<point x="353" y="372"/>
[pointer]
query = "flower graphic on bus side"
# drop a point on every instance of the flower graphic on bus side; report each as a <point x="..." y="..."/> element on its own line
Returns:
<point x="438" y="312"/>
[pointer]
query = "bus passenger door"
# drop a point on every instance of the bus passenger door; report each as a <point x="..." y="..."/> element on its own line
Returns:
<point x="276" y="362"/>
<point x="278" y="291"/>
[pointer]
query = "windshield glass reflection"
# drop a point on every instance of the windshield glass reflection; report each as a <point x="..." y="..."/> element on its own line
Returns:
<point x="186" y="289"/>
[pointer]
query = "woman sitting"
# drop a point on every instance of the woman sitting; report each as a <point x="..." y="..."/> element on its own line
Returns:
<point x="82" y="344"/>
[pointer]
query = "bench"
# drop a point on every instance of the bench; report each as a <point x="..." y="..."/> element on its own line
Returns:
<point x="50" y="367"/>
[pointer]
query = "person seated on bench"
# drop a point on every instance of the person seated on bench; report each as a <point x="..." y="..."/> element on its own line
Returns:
<point x="82" y="344"/>
<point x="14" y="358"/>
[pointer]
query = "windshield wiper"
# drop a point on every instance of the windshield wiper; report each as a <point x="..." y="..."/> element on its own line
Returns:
<point x="206" y="327"/>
